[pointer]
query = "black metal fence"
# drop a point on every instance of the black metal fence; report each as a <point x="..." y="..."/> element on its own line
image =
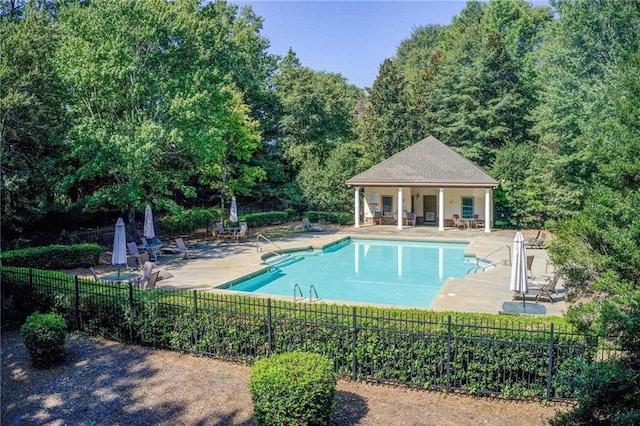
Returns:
<point x="502" y="356"/>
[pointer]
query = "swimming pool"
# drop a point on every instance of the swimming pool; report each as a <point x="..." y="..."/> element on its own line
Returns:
<point x="402" y="273"/>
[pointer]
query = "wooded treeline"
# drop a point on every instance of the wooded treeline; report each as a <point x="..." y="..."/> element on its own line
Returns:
<point x="107" y="105"/>
<point x="110" y="105"/>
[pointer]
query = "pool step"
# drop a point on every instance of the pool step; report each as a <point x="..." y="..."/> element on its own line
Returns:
<point x="284" y="261"/>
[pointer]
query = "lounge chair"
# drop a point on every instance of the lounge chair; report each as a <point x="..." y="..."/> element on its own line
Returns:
<point x="529" y="265"/>
<point x="537" y="242"/>
<point x="183" y="248"/>
<point x="308" y="227"/>
<point x="147" y="269"/>
<point x="133" y="262"/>
<point x="545" y="287"/>
<point x="151" y="282"/>
<point x="133" y="249"/>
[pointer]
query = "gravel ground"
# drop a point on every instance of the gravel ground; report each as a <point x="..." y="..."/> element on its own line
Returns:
<point x="107" y="383"/>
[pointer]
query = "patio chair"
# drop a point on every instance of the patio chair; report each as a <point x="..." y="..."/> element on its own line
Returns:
<point x="133" y="249"/>
<point x="147" y="269"/>
<point x="183" y="248"/>
<point x="377" y="217"/>
<point x="529" y="265"/>
<point x="133" y="262"/>
<point x="410" y="219"/>
<point x="144" y="241"/>
<point x="545" y="288"/>
<point x="220" y="233"/>
<point x="151" y="282"/>
<point x="308" y="227"/>
<point x="536" y="243"/>
<point x="242" y="233"/>
<point x="458" y="223"/>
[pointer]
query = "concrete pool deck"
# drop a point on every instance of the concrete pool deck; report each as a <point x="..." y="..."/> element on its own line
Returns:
<point x="216" y="264"/>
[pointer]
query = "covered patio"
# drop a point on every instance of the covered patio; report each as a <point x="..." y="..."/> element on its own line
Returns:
<point x="427" y="183"/>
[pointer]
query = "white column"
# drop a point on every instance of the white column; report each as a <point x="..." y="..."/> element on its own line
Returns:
<point x="357" y="205"/>
<point x="400" y="202"/>
<point x="440" y="209"/>
<point x="487" y="210"/>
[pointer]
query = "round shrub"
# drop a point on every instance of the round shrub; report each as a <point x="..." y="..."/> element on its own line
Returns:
<point x="294" y="388"/>
<point x="44" y="337"/>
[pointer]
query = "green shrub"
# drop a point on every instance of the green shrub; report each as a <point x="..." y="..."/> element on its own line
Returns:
<point x="44" y="337"/>
<point x="328" y="217"/>
<point x="53" y="257"/>
<point x="293" y="388"/>
<point x="255" y="220"/>
<point x="189" y="220"/>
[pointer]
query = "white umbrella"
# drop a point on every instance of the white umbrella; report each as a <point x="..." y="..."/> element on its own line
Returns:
<point x="148" y="231"/>
<point x="518" y="281"/>
<point x="233" y="213"/>
<point x="119" y="256"/>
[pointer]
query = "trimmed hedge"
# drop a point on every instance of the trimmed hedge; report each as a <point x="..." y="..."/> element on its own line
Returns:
<point x="54" y="257"/>
<point x="44" y="337"/>
<point x="475" y="353"/>
<point x="255" y="220"/>
<point x="328" y="217"/>
<point x="189" y="220"/>
<point x="294" y="388"/>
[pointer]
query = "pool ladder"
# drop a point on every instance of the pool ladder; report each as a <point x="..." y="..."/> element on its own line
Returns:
<point x="298" y="291"/>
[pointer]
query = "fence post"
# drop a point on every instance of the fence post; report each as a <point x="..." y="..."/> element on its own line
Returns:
<point x="76" y="303"/>
<point x="130" y="311"/>
<point x="269" y="341"/>
<point x="550" y="365"/>
<point x="195" y="324"/>
<point x="354" y="363"/>
<point x="30" y="279"/>
<point x="448" y="353"/>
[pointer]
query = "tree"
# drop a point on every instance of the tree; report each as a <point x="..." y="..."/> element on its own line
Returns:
<point x="32" y="121"/>
<point x="153" y="118"/>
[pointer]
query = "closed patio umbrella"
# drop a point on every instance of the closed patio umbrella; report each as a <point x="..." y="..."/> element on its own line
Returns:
<point x="518" y="282"/>
<point x="233" y="212"/>
<point x="148" y="231"/>
<point x="119" y="256"/>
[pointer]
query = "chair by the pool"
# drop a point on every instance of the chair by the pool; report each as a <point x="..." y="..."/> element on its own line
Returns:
<point x="147" y="269"/>
<point x="133" y="262"/>
<point x="410" y="219"/>
<point x="308" y="227"/>
<point x="151" y="282"/>
<point x="221" y="234"/>
<point x="133" y="249"/>
<point x="185" y="250"/>
<point x="377" y="217"/>
<point x="537" y="242"/>
<point x="529" y="265"/>
<point x="458" y="223"/>
<point x="545" y="288"/>
<point x="242" y="233"/>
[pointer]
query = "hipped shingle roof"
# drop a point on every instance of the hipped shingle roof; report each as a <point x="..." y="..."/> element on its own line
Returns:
<point x="426" y="163"/>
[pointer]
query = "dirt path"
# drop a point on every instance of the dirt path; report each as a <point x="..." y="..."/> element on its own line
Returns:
<point x="107" y="383"/>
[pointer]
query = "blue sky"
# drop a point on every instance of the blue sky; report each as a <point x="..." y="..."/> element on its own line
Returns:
<point x="347" y="37"/>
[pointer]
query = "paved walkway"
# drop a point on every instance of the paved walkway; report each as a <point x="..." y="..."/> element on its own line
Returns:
<point x="216" y="264"/>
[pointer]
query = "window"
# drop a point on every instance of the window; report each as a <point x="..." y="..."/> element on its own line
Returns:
<point x="387" y="205"/>
<point x="467" y="207"/>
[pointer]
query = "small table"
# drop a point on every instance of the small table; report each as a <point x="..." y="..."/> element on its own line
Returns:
<point x="125" y="277"/>
<point x="152" y="249"/>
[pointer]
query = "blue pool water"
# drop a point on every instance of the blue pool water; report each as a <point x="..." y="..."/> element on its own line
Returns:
<point x="368" y="271"/>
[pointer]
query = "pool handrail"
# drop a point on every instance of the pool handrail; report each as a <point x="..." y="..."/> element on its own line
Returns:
<point x="296" y="286"/>
<point x="313" y="288"/>
<point x="270" y="242"/>
<point x="482" y="268"/>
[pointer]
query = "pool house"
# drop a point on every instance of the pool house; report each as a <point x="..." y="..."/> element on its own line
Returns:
<point x="427" y="183"/>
